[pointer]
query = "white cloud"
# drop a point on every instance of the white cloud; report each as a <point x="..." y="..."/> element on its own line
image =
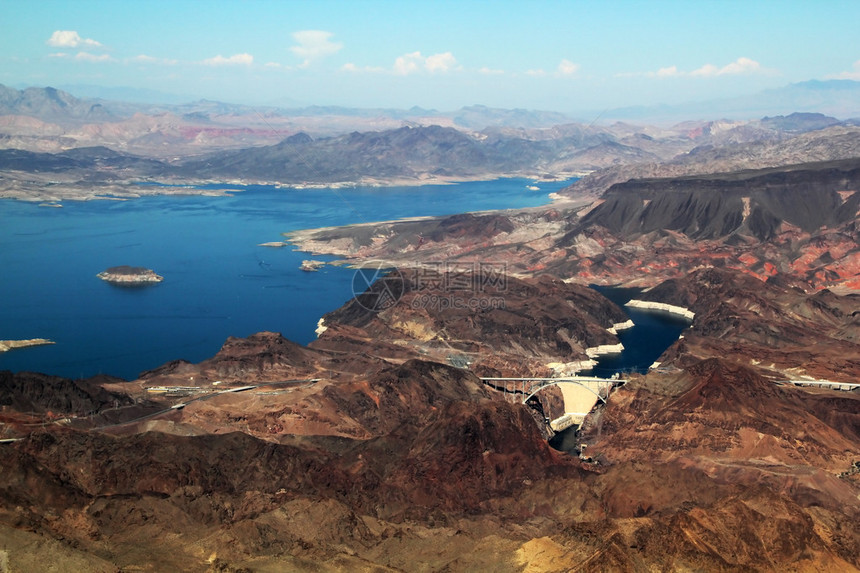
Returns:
<point x="408" y="63"/>
<point x="567" y="68"/>
<point x="70" y="39"/>
<point x="440" y="62"/>
<point x="59" y="55"/>
<point x="235" y="59"/>
<point x="144" y="59"/>
<point x="536" y="73"/>
<point x="313" y="45"/>
<point x="88" y="57"/>
<point x="412" y="63"/>
<point x="490" y="72"/>
<point x="415" y="62"/>
<point x="706" y="71"/>
<point x="854" y="74"/>
<point x="739" y="66"/>
<point x="352" y="68"/>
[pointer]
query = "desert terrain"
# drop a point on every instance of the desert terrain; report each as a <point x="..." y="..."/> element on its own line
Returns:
<point x="379" y="446"/>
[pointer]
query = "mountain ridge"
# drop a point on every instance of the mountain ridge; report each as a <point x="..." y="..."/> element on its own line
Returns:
<point x="379" y="447"/>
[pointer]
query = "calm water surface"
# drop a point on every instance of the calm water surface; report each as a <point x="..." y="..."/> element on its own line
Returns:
<point x="653" y="333"/>
<point x="218" y="282"/>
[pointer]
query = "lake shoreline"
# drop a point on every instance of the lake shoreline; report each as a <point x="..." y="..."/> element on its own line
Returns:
<point x="218" y="281"/>
<point x="45" y="191"/>
<point x="7" y="345"/>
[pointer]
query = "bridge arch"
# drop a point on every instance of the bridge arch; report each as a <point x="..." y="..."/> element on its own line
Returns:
<point x="544" y="385"/>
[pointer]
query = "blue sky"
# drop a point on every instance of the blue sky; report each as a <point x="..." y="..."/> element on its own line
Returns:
<point x="564" y="56"/>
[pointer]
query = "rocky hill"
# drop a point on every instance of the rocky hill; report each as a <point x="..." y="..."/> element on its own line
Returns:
<point x="375" y="458"/>
<point x="83" y="162"/>
<point x="769" y="323"/>
<point x="798" y="222"/>
<point x="34" y="393"/>
<point x="498" y="324"/>
<point x="753" y="203"/>
<point x="757" y="150"/>
<point x="378" y="447"/>
<point x="211" y="140"/>
<point x="724" y="426"/>
<point x="50" y="104"/>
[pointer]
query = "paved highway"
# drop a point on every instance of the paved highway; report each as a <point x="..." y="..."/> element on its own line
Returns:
<point x="181" y="405"/>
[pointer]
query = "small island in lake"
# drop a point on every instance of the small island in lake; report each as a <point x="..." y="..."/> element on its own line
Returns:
<point x="311" y="265"/>
<point x="130" y="276"/>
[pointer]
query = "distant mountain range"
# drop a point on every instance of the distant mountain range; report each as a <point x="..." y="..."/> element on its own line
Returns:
<point x="435" y="153"/>
<point x="40" y="129"/>
<point x="748" y="146"/>
<point x="839" y="98"/>
<point x="50" y="104"/>
<point x="94" y="103"/>
<point x="408" y="152"/>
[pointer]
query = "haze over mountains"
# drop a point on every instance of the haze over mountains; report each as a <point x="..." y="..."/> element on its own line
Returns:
<point x="832" y="97"/>
<point x="208" y="141"/>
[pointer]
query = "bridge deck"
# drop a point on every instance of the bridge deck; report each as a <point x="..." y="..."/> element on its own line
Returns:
<point x="822" y="384"/>
<point x="528" y="387"/>
<point x="580" y="394"/>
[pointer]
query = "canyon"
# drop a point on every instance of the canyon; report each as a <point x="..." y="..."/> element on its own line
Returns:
<point x="369" y="450"/>
<point x="379" y="446"/>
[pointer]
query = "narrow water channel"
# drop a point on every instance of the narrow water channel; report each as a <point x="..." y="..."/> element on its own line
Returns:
<point x="653" y="332"/>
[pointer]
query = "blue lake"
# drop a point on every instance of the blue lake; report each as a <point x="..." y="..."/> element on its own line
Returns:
<point x="653" y="333"/>
<point x="218" y="281"/>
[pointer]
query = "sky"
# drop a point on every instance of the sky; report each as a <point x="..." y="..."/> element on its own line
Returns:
<point x="551" y="55"/>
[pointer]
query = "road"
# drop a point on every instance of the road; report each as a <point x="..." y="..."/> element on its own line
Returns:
<point x="182" y="405"/>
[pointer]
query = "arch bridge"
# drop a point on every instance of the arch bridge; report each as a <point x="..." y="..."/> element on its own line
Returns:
<point x="580" y="393"/>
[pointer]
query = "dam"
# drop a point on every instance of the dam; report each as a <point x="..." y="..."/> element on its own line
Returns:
<point x="580" y="394"/>
<point x="655" y="328"/>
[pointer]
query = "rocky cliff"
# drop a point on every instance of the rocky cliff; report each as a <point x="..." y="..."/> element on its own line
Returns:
<point x="400" y="463"/>
<point x="495" y="322"/>
<point x="753" y="203"/>
<point x="731" y="150"/>
<point x="378" y="448"/>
